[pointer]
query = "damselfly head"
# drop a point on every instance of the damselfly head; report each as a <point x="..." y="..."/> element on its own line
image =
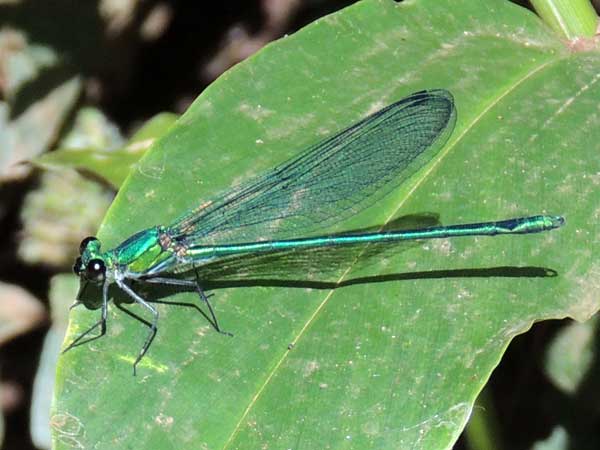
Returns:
<point x="95" y="270"/>
<point x="90" y="264"/>
<point x="78" y="266"/>
<point x="85" y="242"/>
<point x="89" y="249"/>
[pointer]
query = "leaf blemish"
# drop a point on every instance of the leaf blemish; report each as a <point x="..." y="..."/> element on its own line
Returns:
<point x="310" y="368"/>
<point x="255" y="112"/>
<point x="164" y="420"/>
<point x="68" y="429"/>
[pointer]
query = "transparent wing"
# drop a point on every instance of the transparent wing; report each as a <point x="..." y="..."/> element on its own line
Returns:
<point x="330" y="181"/>
<point x="324" y="264"/>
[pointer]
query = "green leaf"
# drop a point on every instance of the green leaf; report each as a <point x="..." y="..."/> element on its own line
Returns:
<point x="111" y="164"/>
<point x="396" y="363"/>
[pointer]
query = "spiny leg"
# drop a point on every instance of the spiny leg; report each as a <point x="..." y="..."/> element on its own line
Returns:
<point x="139" y="319"/>
<point x="101" y="323"/>
<point x="133" y="315"/>
<point x="77" y="302"/>
<point x="152" y="325"/>
<point x="190" y="305"/>
<point x="204" y="298"/>
<point x="195" y="284"/>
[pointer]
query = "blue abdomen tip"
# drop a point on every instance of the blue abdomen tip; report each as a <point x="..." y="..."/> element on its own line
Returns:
<point x="557" y="221"/>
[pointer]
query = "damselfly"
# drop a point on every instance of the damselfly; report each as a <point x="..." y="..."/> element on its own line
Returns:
<point x="283" y="210"/>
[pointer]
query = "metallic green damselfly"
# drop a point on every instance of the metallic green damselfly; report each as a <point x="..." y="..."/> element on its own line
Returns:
<point x="284" y="209"/>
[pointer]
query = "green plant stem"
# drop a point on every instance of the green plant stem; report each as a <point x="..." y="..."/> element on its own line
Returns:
<point x="482" y="430"/>
<point x="571" y="18"/>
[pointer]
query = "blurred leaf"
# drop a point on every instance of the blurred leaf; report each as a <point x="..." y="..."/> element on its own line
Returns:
<point x="558" y="440"/>
<point x="19" y="311"/>
<point x="21" y="62"/>
<point x="396" y="362"/>
<point x="112" y="165"/>
<point x="91" y="128"/>
<point x="573" y="18"/>
<point x="38" y="97"/>
<point x="153" y="129"/>
<point x="53" y="227"/>
<point x="570" y="355"/>
<point x="63" y="289"/>
<point x="482" y="431"/>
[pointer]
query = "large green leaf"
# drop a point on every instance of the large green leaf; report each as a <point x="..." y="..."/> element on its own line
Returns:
<point x="397" y="362"/>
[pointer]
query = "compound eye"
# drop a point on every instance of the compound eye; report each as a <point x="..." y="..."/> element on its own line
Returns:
<point x="95" y="270"/>
<point x="85" y="243"/>
<point x="77" y="266"/>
